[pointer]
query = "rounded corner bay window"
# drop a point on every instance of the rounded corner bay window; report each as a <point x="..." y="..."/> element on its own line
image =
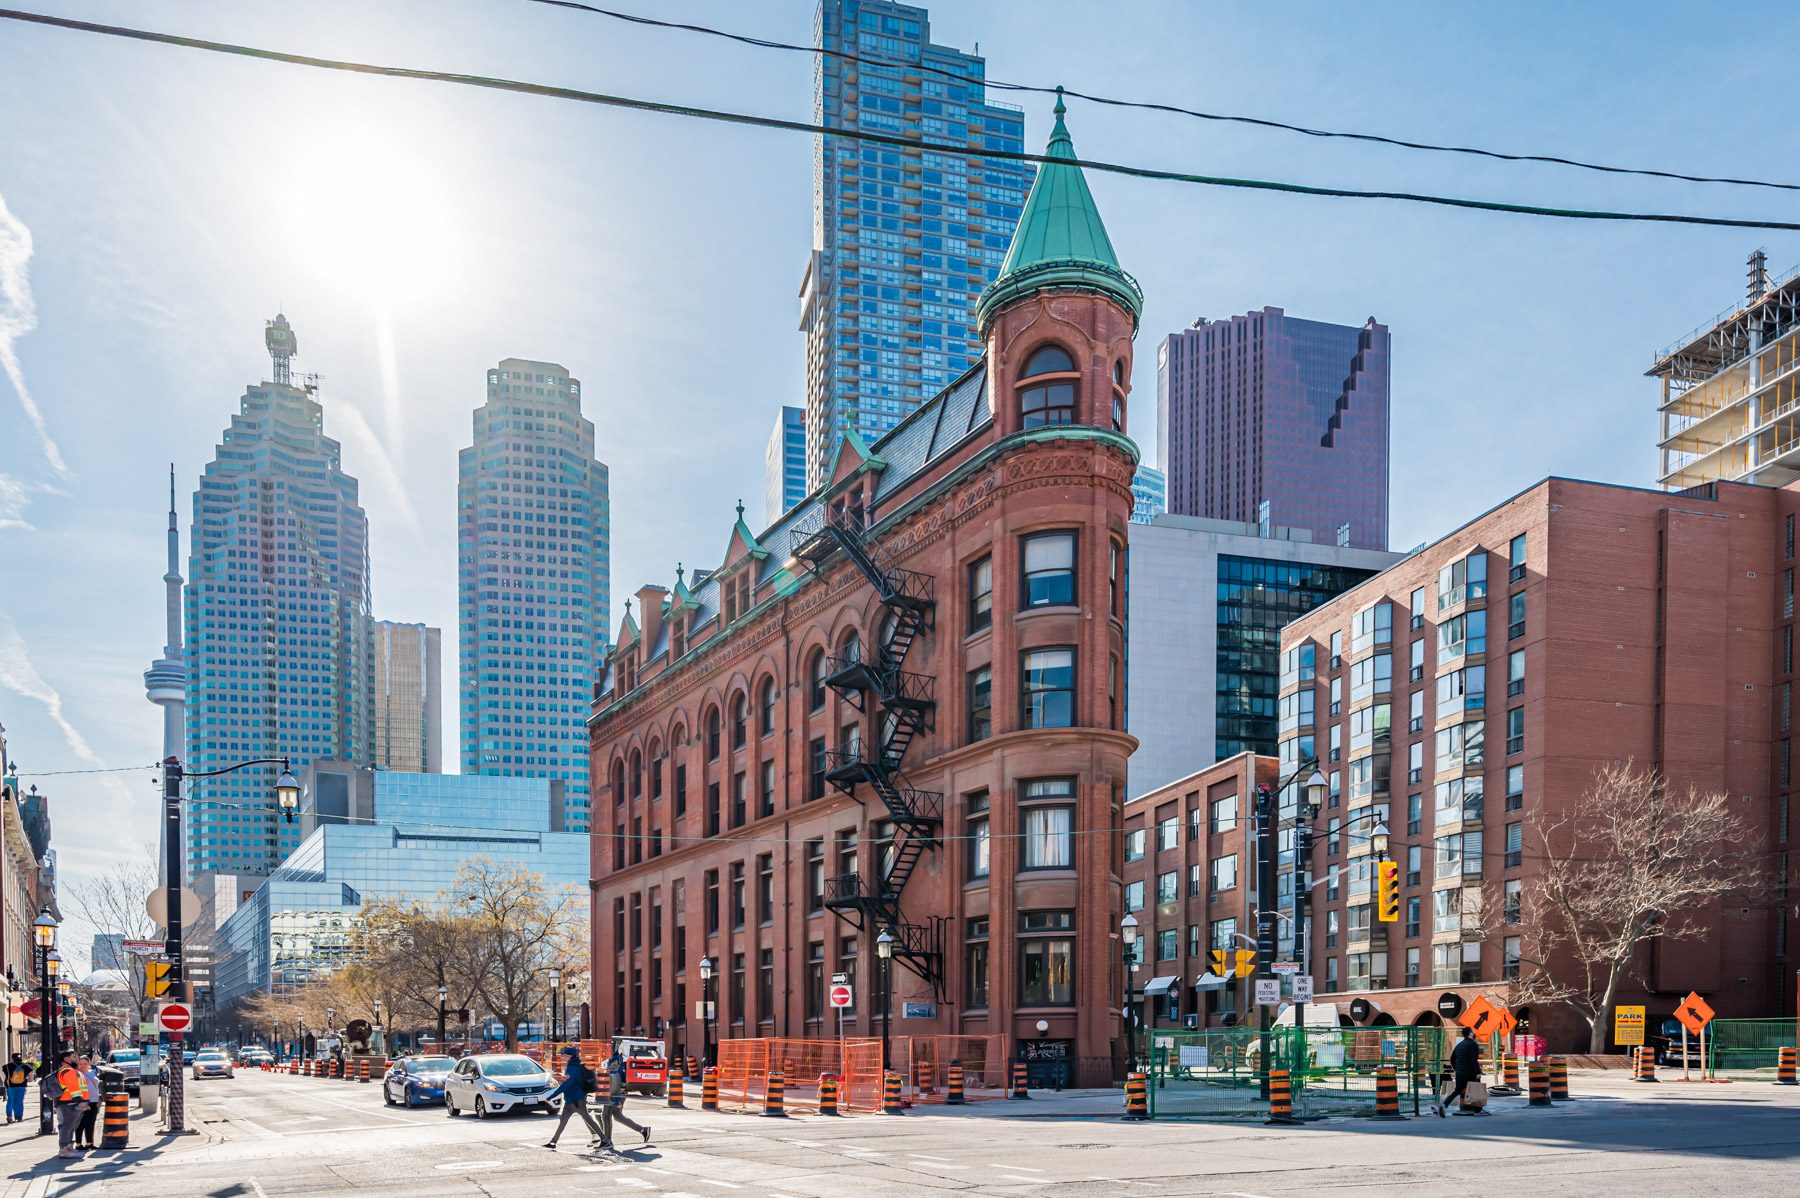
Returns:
<point x="1052" y="400"/>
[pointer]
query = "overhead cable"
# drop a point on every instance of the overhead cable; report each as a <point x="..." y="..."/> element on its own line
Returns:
<point x="739" y="118"/>
<point x="1151" y="106"/>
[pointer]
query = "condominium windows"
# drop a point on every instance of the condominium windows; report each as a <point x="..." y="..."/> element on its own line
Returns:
<point x="981" y="703"/>
<point x="981" y="594"/>
<point x="1462" y="580"/>
<point x="978" y="835"/>
<point x="1048" y="825"/>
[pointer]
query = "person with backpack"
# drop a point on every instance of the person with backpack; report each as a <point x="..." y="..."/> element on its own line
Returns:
<point x="578" y="1082"/>
<point x="18" y="1076"/>
<point x="613" y="1105"/>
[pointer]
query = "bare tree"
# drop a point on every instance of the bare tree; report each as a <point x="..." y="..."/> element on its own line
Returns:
<point x="525" y="929"/>
<point x="112" y="904"/>
<point x="1623" y="867"/>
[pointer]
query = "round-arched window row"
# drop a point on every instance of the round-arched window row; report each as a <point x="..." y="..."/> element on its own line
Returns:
<point x="1051" y="399"/>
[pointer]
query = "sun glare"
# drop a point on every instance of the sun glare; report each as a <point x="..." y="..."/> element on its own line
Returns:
<point x="370" y="217"/>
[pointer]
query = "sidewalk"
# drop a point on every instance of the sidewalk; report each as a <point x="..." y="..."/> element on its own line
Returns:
<point x="28" y="1160"/>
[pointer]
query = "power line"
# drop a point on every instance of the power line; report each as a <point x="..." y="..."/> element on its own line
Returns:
<point x="739" y="118"/>
<point x="1151" y="106"/>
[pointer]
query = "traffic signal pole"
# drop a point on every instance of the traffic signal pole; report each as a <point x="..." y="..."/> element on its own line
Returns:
<point x="1265" y="917"/>
<point x="172" y="945"/>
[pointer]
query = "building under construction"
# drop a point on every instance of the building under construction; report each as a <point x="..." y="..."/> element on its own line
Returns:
<point x="1729" y="407"/>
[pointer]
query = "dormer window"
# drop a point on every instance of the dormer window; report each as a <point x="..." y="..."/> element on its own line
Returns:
<point x="1047" y="389"/>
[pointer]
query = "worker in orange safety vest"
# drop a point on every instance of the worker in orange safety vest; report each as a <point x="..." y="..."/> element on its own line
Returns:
<point x="71" y="1093"/>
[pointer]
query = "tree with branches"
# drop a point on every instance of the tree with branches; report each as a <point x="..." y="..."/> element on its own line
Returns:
<point x="525" y="927"/>
<point x="112" y="904"/>
<point x="1629" y="864"/>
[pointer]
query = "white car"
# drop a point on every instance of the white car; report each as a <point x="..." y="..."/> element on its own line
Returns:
<point x="496" y="1083"/>
<point x="211" y="1062"/>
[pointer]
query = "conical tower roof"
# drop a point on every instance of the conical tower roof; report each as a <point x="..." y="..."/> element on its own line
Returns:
<point x="1061" y="240"/>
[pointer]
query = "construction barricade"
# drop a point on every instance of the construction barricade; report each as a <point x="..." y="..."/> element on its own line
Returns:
<point x="745" y="1066"/>
<point x="1387" y="1093"/>
<point x="828" y="1094"/>
<point x="1137" y="1096"/>
<point x="675" y="1084"/>
<point x="1784" y="1068"/>
<point x="1646" y="1065"/>
<point x="115" y="1132"/>
<point x="923" y="1063"/>
<point x="1559" y="1076"/>
<point x="1538" y="1075"/>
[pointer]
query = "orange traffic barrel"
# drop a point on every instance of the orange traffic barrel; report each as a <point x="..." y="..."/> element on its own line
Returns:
<point x="1509" y="1073"/>
<point x="828" y="1094"/>
<point x="1387" y="1093"/>
<point x="362" y="1071"/>
<point x="1281" y="1098"/>
<point x="693" y="1069"/>
<point x="890" y="1093"/>
<point x="709" y="1088"/>
<point x="1137" y="1096"/>
<point x="675" y="1095"/>
<point x="775" y="1095"/>
<point x="115" y="1132"/>
<point x="1018" y="1080"/>
<point x="927" y="1077"/>
<point x="1538" y="1074"/>
<point x="953" y="1083"/>
<point x="1559" y="1076"/>
<point x="1646" y="1065"/>
<point x="1784" y="1068"/>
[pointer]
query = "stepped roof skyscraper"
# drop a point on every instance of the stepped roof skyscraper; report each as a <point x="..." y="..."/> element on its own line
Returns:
<point x="904" y="240"/>
<point x="277" y="617"/>
<point x="534" y="547"/>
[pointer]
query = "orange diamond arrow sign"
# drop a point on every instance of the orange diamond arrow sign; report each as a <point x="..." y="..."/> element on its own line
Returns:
<point x="1482" y="1018"/>
<point x="1694" y="1013"/>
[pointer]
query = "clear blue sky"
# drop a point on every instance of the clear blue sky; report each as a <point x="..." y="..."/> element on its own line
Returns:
<point x="174" y="200"/>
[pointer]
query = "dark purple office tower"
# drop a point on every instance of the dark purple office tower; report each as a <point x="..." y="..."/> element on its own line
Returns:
<point x="1272" y="420"/>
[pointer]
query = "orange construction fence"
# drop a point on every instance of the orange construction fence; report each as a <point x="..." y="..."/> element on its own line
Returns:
<point x="744" y="1067"/>
<point x="923" y="1065"/>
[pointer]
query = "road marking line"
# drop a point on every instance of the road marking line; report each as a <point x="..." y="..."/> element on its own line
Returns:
<point x="803" y="1143"/>
<point x="942" y="1160"/>
<point x="257" y="1186"/>
<point x="633" y="1181"/>
<point x="1016" y="1177"/>
<point x="1019" y="1168"/>
<point x="600" y="1168"/>
<point x="663" y="1172"/>
<point x="471" y="1165"/>
<point x="730" y="1185"/>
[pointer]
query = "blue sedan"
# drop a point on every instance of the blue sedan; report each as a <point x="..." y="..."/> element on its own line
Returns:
<point x="416" y="1081"/>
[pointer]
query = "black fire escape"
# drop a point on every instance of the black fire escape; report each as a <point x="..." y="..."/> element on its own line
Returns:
<point x="906" y="704"/>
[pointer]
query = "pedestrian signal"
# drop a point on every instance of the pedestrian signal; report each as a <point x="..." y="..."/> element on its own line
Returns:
<point x="1387" y="891"/>
<point x="1221" y="962"/>
<point x="156" y="978"/>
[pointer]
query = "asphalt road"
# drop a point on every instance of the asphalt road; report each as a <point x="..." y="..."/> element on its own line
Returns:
<point x="264" y="1136"/>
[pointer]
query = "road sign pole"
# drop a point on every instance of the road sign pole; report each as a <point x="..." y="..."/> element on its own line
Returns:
<point x="172" y="843"/>
<point x="1684" y="1063"/>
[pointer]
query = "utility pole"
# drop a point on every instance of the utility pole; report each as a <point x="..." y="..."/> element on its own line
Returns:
<point x="172" y="944"/>
<point x="1265" y="915"/>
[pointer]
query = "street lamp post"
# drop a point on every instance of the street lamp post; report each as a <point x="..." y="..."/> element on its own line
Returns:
<point x="287" y="798"/>
<point x="706" y="972"/>
<point x="555" y="985"/>
<point x="443" y="994"/>
<point x="44" y="934"/>
<point x="884" y="948"/>
<point x="1267" y="818"/>
<point x="1312" y="802"/>
<point x="1128" y="936"/>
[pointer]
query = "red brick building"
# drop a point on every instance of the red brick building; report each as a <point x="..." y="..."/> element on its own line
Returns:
<point x="1488" y="676"/>
<point x="898" y="709"/>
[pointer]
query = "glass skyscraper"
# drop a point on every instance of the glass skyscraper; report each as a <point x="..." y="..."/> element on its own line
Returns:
<point x="904" y="240"/>
<point x="1276" y="421"/>
<point x="784" y="463"/>
<point x="533" y="522"/>
<point x="276" y="618"/>
<point x="408" y="698"/>
<point x="1149" y="494"/>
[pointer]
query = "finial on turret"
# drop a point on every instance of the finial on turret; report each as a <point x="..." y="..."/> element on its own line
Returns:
<point x="740" y="509"/>
<point x="1059" y="109"/>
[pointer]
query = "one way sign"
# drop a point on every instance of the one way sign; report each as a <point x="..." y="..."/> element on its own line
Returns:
<point x="1694" y="1013"/>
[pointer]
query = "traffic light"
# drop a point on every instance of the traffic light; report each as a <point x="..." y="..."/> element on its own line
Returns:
<point x="156" y="978"/>
<point x="1221" y="962"/>
<point x="1387" y="891"/>
<point x="1246" y="962"/>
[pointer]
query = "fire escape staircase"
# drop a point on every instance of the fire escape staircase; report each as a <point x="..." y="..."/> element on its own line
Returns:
<point x="907" y="703"/>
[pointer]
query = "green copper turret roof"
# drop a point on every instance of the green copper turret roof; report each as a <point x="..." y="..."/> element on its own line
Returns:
<point x="1061" y="240"/>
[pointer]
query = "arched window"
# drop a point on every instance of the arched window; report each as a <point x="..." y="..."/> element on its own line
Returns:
<point x="712" y="734"/>
<point x="1051" y="401"/>
<point x="1118" y="396"/>
<point x="740" y="721"/>
<point x="851" y="649"/>
<point x="656" y="771"/>
<point x="637" y="774"/>
<point x="618" y="785"/>
<point x="817" y="674"/>
<point x="768" y="707"/>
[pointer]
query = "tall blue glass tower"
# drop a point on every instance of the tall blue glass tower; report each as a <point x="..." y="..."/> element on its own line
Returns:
<point x="904" y="240"/>
<point x="534" y="547"/>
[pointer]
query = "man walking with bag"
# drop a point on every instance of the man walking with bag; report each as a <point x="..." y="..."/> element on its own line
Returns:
<point x="578" y="1082"/>
<point x="18" y="1076"/>
<point x="1465" y="1067"/>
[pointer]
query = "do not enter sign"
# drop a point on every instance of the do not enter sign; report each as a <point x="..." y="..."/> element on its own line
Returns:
<point x="174" y="1017"/>
<point x="840" y="996"/>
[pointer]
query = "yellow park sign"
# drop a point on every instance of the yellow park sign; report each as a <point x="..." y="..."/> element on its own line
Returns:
<point x="1628" y="1026"/>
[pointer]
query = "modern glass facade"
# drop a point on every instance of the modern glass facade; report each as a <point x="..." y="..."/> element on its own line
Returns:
<point x="408" y="697"/>
<point x="904" y="240"/>
<point x="1149" y="494"/>
<point x="534" y="527"/>
<point x="276" y="618"/>
<point x="301" y="923"/>
<point x="1269" y="419"/>
<point x="784" y="464"/>
<point x="1257" y="598"/>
